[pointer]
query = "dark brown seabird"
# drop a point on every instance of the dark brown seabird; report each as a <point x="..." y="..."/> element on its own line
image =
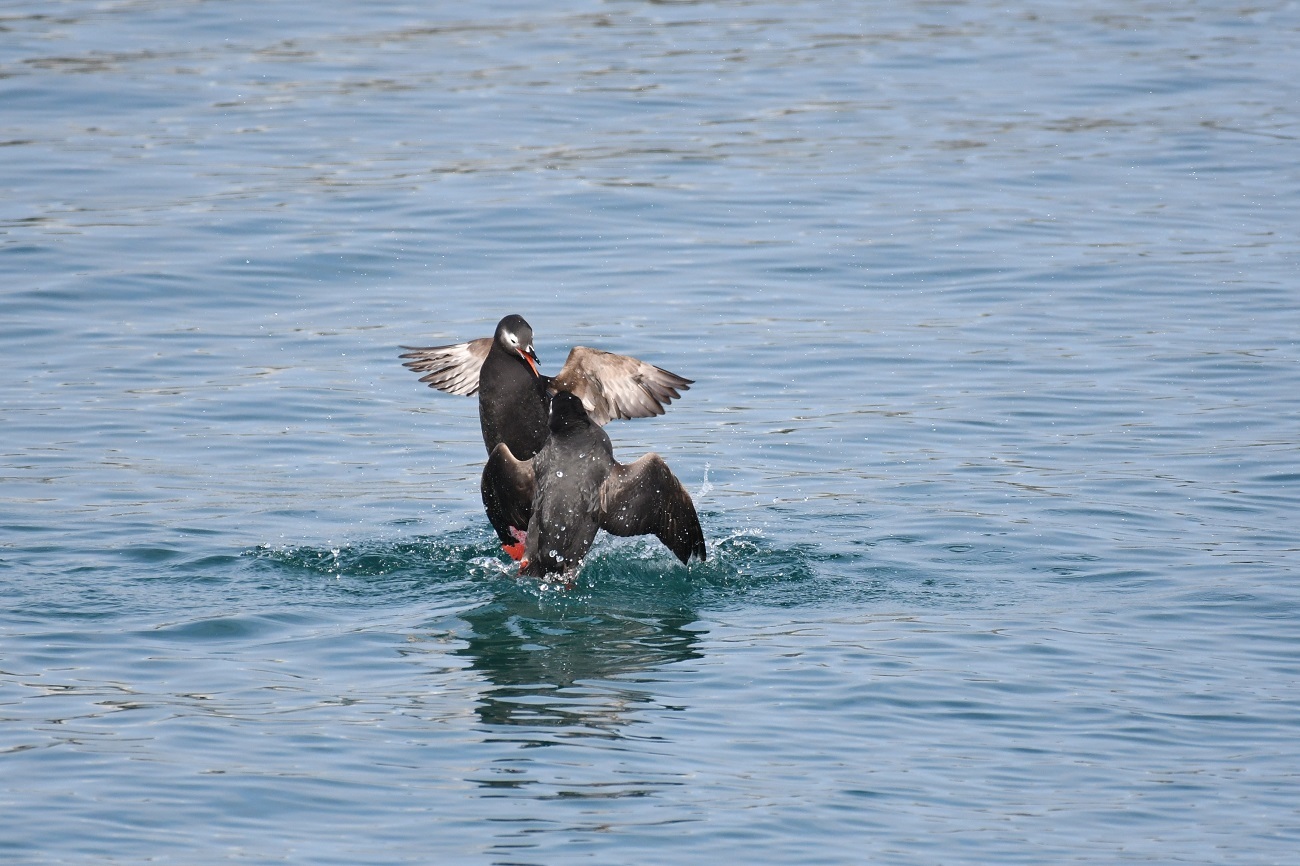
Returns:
<point x="514" y="397"/>
<point x="576" y="487"/>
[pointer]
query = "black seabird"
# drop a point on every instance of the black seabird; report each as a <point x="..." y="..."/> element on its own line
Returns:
<point x="514" y="396"/>
<point x="574" y="487"/>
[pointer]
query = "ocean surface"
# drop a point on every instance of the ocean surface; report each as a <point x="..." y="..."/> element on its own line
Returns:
<point x="993" y="314"/>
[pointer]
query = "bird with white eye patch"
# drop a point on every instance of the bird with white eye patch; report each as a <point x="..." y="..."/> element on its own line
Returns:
<point x="514" y="397"/>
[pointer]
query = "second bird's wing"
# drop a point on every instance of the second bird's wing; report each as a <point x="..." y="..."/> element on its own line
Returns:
<point x="645" y="498"/>
<point x="507" y="488"/>
<point x="617" y="386"/>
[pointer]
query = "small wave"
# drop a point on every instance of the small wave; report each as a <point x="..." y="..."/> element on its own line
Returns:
<point x="234" y="629"/>
<point x="457" y="553"/>
<point x="744" y="567"/>
<point x="394" y="571"/>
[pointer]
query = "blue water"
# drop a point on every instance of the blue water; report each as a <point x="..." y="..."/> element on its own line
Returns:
<point x="994" y="320"/>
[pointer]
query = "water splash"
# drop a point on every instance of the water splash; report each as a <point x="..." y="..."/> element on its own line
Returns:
<point x="745" y="566"/>
<point x="705" y="487"/>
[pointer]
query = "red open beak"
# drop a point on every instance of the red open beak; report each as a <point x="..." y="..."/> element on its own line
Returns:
<point x="530" y="358"/>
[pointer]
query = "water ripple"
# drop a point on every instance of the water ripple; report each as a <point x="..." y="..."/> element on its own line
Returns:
<point x="992" y="318"/>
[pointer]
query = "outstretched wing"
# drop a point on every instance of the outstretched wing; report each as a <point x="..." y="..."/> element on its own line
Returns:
<point x="645" y="498"/>
<point x="453" y="369"/>
<point x="507" y="488"/>
<point x="617" y="386"/>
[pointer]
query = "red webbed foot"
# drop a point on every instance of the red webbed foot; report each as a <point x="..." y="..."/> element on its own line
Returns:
<point x="516" y="550"/>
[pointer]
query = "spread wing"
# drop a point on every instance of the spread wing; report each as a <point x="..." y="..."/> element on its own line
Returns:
<point x="453" y="369"/>
<point x="645" y="498"/>
<point x="507" y="488"/>
<point x="617" y="386"/>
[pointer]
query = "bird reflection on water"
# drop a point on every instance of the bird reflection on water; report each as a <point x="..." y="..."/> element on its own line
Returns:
<point x="561" y="663"/>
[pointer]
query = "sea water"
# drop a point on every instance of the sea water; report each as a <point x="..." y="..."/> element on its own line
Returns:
<point x="992" y="314"/>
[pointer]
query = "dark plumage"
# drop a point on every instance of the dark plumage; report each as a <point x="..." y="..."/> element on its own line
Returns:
<point x="514" y="397"/>
<point x="502" y="370"/>
<point x="576" y="487"/>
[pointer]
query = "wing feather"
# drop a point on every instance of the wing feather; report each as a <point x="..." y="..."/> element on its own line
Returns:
<point x="645" y="498"/>
<point x="617" y="386"/>
<point x="454" y="368"/>
<point x="507" y="487"/>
